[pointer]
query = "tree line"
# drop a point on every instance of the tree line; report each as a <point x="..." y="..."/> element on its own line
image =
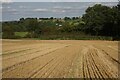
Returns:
<point x="98" y="20"/>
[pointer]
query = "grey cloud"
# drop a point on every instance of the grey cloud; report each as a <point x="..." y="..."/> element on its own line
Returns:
<point x="54" y="10"/>
<point x="40" y="10"/>
<point x="9" y="10"/>
<point x="23" y="7"/>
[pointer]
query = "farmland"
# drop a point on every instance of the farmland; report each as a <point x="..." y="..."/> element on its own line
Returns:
<point x="60" y="59"/>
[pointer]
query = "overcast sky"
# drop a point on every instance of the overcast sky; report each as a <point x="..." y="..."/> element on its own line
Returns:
<point x="15" y="11"/>
<point x="59" y="0"/>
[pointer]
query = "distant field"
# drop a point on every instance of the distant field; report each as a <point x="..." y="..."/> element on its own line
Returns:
<point x="60" y="59"/>
<point x="63" y="36"/>
<point x="21" y="34"/>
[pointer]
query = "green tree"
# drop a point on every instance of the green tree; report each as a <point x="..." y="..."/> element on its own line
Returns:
<point x="101" y="20"/>
<point x="67" y="18"/>
<point x="32" y="26"/>
<point x="8" y="32"/>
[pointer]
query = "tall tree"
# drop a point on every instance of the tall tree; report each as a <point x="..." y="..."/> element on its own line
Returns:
<point x="32" y="26"/>
<point x="101" y="20"/>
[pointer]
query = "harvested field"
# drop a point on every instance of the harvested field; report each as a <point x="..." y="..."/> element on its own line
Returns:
<point x="60" y="59"/>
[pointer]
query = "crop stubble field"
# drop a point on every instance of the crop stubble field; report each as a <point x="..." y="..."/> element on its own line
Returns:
<point x="59" y="59"/>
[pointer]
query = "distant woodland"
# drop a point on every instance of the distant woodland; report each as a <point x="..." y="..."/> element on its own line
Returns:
<point x="98" y="22"/>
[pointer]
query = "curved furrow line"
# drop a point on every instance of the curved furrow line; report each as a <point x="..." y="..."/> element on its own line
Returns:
<point x="62" y="63"/>
<point x="101" y="66"/>
<point x="111" y="57"/>
<point x="52" y="72"/>
<point x="34" y="71"/>
<point x="63" y="66"/>
<point x="105" y="69"/>
<point x="67" y="64"/>
<point x="112" y="69"/>
<point x="20" y="55"/>
<point x="14" y="52"/>
<point x="20" y="63"/>
<point x="113" y="48"/>
<point x="89" y="67"/>
<point x="97" y="72"/>
<point x="108" y="71"/>
<point x="94" y="68"/>
<point x="47" y="68"/>
<point x="113" y="54"/>
<point x="103" y="74"/>
<point x="40" y="70"/>
<point x="97" y="61"/>
<point x="13" y="66"/>
<point x="57" y="64"/>
<point x="108" y="64"/>
<point x="32" y="68"/>
<point x="21" y="47"/>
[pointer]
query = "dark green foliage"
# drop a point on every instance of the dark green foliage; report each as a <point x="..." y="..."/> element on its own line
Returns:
<point x="8" y="32"/>
<point x="67" y="18"/>
<point x="102" y="20"/>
